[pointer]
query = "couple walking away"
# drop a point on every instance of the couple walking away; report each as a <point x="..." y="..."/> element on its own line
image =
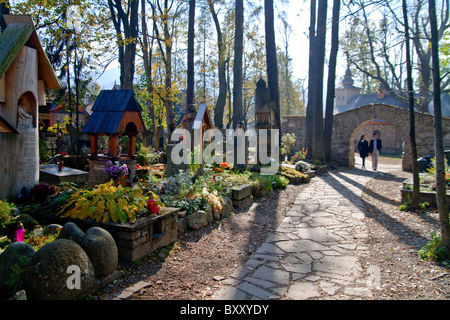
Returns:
<point x="366" y="149"/>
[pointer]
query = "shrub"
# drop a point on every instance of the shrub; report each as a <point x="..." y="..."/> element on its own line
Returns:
<point x="6" y="215"/>
<point x="300" y="155"/>
<point x="293" y="175"/>
<point x="269" y="182"/>
<point x="146" y="156"/>
<point x="190" y="205"/>
<point x="434" y="250"/>
<point x="106" y="202"/>
<point x="237" y="177"/>
<point x="424" y="205"/>
<point x="44" y="153"/>
<point x="41" y="191"/>
<point x="287" y="141"/>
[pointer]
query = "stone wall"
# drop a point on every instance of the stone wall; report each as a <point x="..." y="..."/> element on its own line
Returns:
<point x="387" y="132"/>
<point x="296" y="125"/>
<point x="136" y="240"/>
<point x="348" y="127"/>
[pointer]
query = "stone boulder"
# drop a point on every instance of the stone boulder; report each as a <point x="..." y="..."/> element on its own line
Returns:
<point x="302" y="166"/>
<point x="241" y="191"/>
<point x="227" y="207"/>
<point x="102" y="250"/>
<point x="209" y="213"/>
<point x="60" y="270"/>
<point x="209" y="216"/>
<point x="13" y="260"/>
<point x="198" y="219"/>
<point x="71" y="231"/>
<point x="181" y="225"/>
<point x="52" y="229"/>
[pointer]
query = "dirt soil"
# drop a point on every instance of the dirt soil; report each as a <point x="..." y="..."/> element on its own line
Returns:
<point x="186" y="270"/>
<point x="394" y="241"/>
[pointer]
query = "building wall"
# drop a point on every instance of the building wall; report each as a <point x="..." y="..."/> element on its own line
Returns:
<point x="295" y="125"/>
<point x="387" y="132"/>
<point x="19" y="155"/>
<point x="348" y="127"/>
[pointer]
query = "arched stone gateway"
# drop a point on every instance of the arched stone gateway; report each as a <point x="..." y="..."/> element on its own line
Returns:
<point x="347" y="124"/>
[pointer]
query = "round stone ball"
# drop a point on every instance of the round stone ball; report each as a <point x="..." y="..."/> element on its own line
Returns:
<point x="102" y="250"/>
<point x="72" y="232"/>
<point x="15" y="257"/>
<point x="60" y="270"/>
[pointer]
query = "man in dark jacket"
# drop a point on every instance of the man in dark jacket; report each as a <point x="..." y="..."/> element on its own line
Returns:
<point x="375" y="149"/>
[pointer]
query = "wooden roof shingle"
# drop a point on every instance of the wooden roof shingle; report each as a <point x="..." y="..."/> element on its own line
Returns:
<point x="109" y="109"/>
<point x="19" y="32"/>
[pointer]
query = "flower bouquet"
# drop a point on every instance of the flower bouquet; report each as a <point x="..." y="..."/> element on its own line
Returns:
<point x="116" y="171"/>
<point x="60" y="159"/>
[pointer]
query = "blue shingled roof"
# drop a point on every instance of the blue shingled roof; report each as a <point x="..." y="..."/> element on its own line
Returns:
<point x="116" y="101"/>
<point x="108" y="110"/>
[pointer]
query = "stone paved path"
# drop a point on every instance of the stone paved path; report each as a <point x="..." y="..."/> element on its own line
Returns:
<point x="314" y="252"/>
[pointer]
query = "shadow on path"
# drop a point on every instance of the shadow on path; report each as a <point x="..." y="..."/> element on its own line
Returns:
<point x="386" y="176"/>
<point x="394" y="226"/>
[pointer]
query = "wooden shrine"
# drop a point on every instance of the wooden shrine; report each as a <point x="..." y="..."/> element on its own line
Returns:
<point x="25" y="73"/>
<point x="196" y="124"/>
<point x="115" y="113"/>
<point x="201" y="121"/>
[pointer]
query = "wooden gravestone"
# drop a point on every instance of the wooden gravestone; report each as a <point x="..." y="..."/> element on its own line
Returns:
<point x="25" y="73"/>
<point x="197" y="124"/>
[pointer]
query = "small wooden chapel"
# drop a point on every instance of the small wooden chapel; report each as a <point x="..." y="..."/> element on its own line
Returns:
<point x="115" y="113"/>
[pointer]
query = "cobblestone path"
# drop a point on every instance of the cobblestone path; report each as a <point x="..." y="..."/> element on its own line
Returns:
<point x="314" y="252"/>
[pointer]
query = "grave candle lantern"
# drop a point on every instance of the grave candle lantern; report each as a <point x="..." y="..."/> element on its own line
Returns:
<point x="152" y="205"/>
<point x="20" y="232"/>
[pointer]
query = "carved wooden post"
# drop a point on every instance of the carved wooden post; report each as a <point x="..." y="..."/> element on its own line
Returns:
<point x="131" y="146"/>
<point x="93" y="145"/>
<point x="113" y="146"/>
<point x="262" y="115"/>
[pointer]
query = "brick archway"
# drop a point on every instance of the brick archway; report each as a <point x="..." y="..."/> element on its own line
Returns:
<point x="346" y="124"/>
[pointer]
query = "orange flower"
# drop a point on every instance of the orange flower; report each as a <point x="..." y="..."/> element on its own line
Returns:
<point x="224" y="165"/>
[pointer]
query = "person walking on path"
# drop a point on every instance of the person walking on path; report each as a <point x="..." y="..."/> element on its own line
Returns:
<point x="375" y="150"/>
<point x="363" y="147"/>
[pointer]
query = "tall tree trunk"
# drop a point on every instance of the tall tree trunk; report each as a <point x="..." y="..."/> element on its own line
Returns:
<point x="412" y="123"/>
<point x="238" y="113"/>
<point x="329" y="106"/>
<point x="315" y="90"/>
<point x="221" y="66"/>
<point x="147" y="56"/>
<point x="272" y="66"/>
<point x="168" y="102"/>
<point x="311" y="71"/>
<point x="441" y="189"/>
<point x="127" y="40"/>
<point x="190" y="59"/>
